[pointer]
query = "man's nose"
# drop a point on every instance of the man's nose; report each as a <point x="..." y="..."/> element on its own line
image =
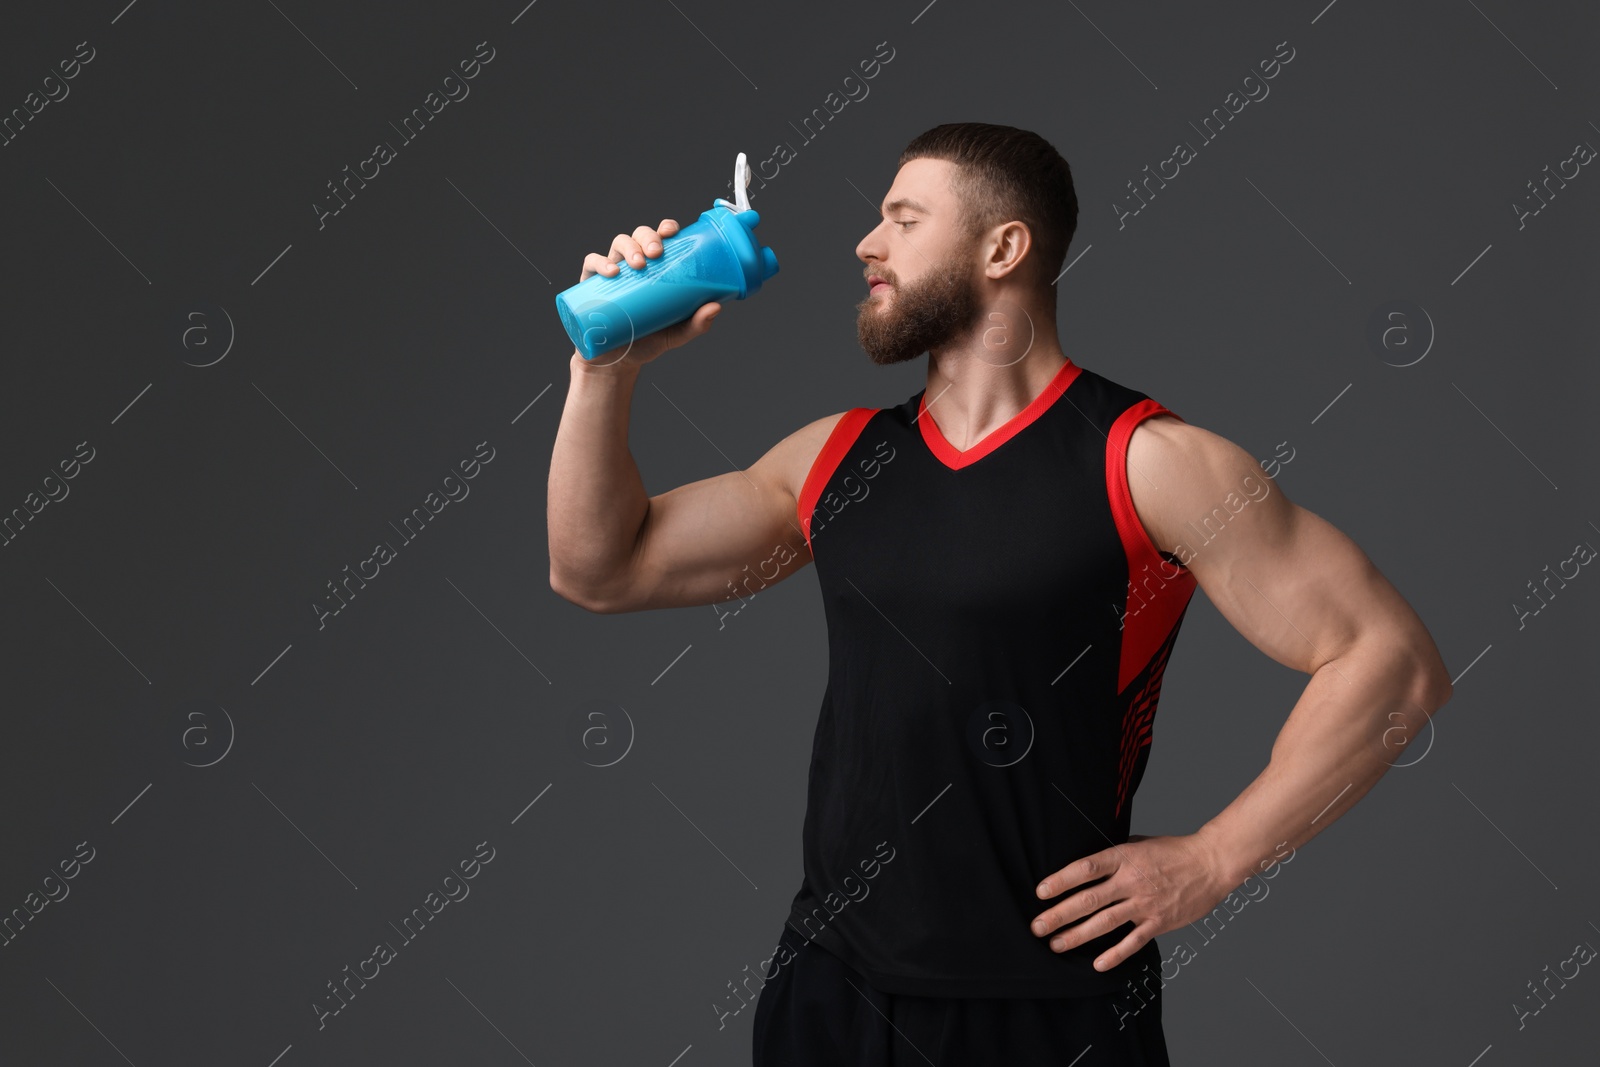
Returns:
<point x="870" y="249"/>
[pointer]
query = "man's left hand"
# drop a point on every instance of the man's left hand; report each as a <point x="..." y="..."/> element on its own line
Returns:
<point x="1158" y="883"/>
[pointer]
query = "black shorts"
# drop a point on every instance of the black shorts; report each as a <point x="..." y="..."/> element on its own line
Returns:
<point x="817" y="1011"/>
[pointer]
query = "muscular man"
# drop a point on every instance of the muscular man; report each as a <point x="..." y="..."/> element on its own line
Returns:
<point x="1005" y="559"/>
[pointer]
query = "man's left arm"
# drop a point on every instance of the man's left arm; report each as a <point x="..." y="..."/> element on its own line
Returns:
<point x="1305" y="594"/>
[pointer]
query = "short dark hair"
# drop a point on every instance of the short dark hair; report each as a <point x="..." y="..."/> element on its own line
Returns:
<point x="1003" y="173"/>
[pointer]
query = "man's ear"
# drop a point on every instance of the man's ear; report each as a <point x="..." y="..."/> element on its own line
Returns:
<point x="1011" y="242"/>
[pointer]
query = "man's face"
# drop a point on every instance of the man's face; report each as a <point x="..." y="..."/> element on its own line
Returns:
<point x="925" y="255"/>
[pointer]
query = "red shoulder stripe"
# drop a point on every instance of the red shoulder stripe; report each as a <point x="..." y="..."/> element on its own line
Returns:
<point x="844" y="434"/>
<point x="1158" y="589"/>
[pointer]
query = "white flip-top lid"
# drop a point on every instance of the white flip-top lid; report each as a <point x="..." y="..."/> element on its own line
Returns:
<point x="741" y="181"/>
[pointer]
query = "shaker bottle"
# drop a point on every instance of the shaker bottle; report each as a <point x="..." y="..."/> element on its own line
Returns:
<point x="713" y="258"/>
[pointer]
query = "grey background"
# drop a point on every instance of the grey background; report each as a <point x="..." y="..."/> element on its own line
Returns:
<point x="369" y="357"/>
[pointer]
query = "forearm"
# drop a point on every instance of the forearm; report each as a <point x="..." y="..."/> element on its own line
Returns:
<point x="597" y="501"/>
<point x="1349" y="726"/>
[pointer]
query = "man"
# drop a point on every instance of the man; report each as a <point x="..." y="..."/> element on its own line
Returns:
<point x="1005" y="559"/>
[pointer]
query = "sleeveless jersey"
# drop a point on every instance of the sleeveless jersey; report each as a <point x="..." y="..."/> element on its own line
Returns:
<point x="998" y="624"/>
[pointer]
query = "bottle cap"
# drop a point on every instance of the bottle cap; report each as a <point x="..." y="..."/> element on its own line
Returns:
<point x="741" y="180"/>
<point x="755" y="263"/>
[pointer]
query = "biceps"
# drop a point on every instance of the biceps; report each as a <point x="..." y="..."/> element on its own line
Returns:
<point x="715" y="539"/>
<point x="1297" y="587"/>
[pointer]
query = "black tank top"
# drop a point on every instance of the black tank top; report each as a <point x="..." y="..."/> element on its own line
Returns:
<point x="998" y="625"/>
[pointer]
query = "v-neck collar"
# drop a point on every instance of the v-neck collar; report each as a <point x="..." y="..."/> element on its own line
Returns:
<point x="955" y="458"/>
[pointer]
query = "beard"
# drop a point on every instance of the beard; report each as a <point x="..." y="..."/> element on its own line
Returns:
<point x="918" y="317"/>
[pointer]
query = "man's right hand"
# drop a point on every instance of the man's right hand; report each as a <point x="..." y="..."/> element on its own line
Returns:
<point x="643" y="242"/>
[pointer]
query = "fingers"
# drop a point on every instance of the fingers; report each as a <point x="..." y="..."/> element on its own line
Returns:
<point x="1123" y="949"/>
<point x="634" y="248"/>
<point x="1074" y="873"/>
<point x="702" y="317"/>
<point x="595" y="263"/>
<point x="649" y="240"/>
<point x="1098" y="898"/>
<point x="625" y="247"/>
<point x="1097" y="925"/>
<point x="695" y="325"/>
<point x="683" y="332"/>
<point x="1073" y="908"/>
<point x="644" y="242"/>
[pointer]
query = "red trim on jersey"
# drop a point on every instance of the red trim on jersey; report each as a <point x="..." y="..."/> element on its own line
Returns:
<point x="955" y="459"/>
<point x="1136" y="723"/>
<point x="844" y="434"/>
<point x="1158" y="589"/>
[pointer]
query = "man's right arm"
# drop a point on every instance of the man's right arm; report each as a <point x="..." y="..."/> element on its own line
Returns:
<point x="615" y="549"/>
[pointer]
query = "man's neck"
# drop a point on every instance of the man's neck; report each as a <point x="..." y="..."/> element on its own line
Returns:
<point x="972" y="392"/>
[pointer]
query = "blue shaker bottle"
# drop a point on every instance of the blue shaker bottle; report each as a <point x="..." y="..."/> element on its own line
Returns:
<point x="713" y="258"/>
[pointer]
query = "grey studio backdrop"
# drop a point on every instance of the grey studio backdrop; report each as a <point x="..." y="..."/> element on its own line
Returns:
<point x="221" y="797"/>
